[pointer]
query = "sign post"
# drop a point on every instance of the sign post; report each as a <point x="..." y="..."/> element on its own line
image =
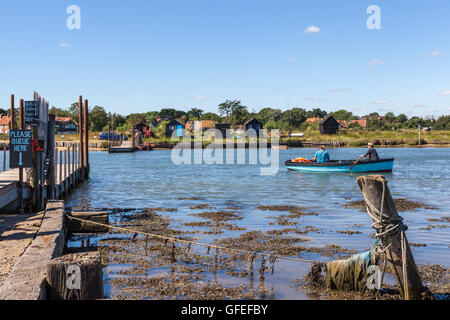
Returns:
<point x="20" y="152"/>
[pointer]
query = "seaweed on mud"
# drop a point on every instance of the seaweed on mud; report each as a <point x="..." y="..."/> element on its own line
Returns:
<point x="284" y="246"/>
<point x="443" y="219"/>
<point x="201" y="206"/>
<point x="349" y="232"/>
<point x="434" y="226"/>
<point x="219" y="215"/>
<point x="402" y="205"/>
<point x="417" y="245"/>
<point x="217" y="225"/>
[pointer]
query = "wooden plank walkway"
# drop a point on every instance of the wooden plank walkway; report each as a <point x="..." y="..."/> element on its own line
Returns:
<point x="67" y="177"/>
<point x="8" y="186"/>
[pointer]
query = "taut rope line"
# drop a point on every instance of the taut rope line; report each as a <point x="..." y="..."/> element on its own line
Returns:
<point x="175" y="240"/>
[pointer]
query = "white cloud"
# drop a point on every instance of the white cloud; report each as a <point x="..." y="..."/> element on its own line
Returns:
<point x="374" y="62"/>
<point x="381" y="102"/>
<point x="312" y="29"/>
<point x="419" y="106"/>
<point x="445" y="93"/>
<point x="435" y="53"/>
<point x="64" y="45"/>
<point x="290" y="59"/>
<point x="200" y="98"/>
<point x="448" y="108"/>
<point x="315" y="99"/>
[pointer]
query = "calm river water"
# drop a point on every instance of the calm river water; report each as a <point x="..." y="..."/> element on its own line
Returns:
<point x="150" y="179"/>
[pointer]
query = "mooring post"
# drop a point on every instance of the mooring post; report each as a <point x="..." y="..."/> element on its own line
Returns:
<point x="4" y="156"/>
<point x="73" y="166"/>
<point x="22" y="127"/>
<point x="51" y="151"/>
<point x="69" y="177"/>
<point x="12" y="119"/>
<point x="60" y="174"/>
<point x="390" y="230"/>
<point x="80" y="128"/>
<point x="86" y="133"/>
<point x="75" y="277"/>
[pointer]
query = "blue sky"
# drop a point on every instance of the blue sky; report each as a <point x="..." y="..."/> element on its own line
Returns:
<point x="137" y="56"/>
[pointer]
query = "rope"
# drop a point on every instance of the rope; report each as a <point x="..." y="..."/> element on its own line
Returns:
<point x="175" y="240"/>
<point x="386" y="226"/>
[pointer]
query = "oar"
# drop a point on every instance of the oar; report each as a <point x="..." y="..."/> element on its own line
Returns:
<point x="351" y="168"/>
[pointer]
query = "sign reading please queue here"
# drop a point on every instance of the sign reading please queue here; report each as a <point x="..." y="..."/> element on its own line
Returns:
<point x="20" y="154"/>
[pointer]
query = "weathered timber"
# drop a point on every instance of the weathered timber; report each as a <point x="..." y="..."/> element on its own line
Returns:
<point x="26" y="280"/>
<point x="76" y="276"/>
<point x="373" y="188"/>
<point x="75" y="226"/>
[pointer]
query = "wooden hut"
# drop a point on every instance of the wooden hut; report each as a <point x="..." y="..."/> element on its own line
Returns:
<point x="329" y="125"/>
<point x="172" y="126"/>
<point x="223" y="127"/>
<point x="253" y="124"/>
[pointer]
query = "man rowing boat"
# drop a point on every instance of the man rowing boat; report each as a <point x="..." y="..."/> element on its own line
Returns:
<point x="372" y="154"/>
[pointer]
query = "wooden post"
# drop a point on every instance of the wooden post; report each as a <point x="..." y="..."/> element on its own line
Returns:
<point x="60" y="172"/>
<point x="109" y="135"/>
<point x="55" y="195"/>
<point x="86" y="133"/>
<point x="50" y="179"/>
<point x="69" y="177"/>
<point x="81" y="130"/>
<point x="75" y="277"/>
<point x="73" y="166"/>
<point x="373" y="188"/>
<point x="12" y="115"/>
<point x="4" y="156"/>
<point x="22" y="127"/>
<point x="65" y="171"/>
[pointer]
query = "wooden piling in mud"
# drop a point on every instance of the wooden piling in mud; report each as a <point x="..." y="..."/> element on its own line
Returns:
<point x="75" y="277"/>
<point x="391" y="233"/>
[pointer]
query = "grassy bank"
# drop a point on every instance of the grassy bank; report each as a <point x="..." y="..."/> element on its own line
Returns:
<point x="387" y="138"/>
<point x="400" y="138"/>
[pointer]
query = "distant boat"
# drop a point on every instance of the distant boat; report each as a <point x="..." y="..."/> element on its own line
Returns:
<point x="382" y="165"/>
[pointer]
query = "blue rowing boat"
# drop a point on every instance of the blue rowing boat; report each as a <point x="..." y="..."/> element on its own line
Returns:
<point x="382" y="165"/>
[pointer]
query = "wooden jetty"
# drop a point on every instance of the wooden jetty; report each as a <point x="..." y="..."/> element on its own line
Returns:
<point x="125" y="146"/>
<point x="54" y="172"/>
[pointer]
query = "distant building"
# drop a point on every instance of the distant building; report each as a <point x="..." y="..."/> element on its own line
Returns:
<point x="361" y="122"/>
<point x="253" y="124"/>
<point x="342" y="124"/>
<point x="65" y="125"/>
<point x="4" y="124"/>
<point x="223" y="127"/>
<point x="313" y="120"/>
<point x="204" y="125"/>
<point x="172" y="126"/>
<point x="329" y="125"/>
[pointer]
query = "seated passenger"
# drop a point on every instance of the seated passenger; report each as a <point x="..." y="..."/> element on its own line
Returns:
<point x="322" y="155"/>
